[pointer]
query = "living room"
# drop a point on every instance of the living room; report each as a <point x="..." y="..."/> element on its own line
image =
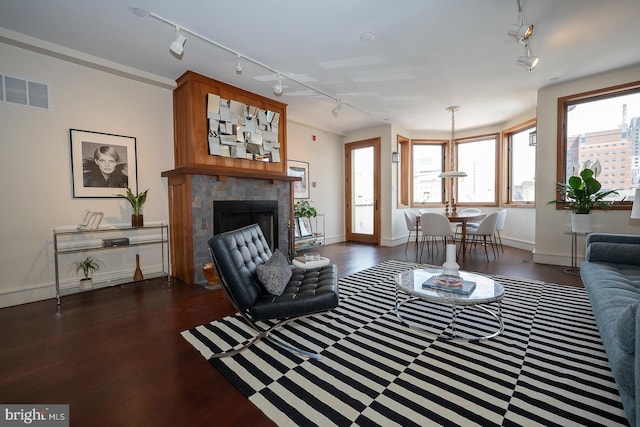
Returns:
<point x="103" y="96"/>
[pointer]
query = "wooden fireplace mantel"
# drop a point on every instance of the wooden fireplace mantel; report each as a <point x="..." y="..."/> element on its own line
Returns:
<point x="223" y="173"/>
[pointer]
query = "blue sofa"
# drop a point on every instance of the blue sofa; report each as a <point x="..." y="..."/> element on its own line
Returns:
<point x="611" y="276"/>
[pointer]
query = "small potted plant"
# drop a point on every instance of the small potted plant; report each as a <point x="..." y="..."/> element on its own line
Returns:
<point x="581" y="194"/>
<point x="88" y="266"/>
<point x="304" y="209"/>
<point x="136" y="201"/>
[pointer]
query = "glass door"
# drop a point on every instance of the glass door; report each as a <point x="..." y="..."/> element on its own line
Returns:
<point x="362" y="168"/>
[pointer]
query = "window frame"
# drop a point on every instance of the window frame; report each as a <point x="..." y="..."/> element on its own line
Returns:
<point x="422" y="141"/>
<point x="561" y="145"/>
<point x="497" y="172"/>
<point x="506" y="171"/>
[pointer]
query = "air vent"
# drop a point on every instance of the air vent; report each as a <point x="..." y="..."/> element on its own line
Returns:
<point x="18" y="91"/>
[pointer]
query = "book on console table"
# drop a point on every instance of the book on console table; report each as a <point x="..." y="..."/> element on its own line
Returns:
<point x="464" y="287"/>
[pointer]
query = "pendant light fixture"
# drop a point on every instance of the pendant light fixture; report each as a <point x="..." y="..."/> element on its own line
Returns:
<point x="452" y="172"/>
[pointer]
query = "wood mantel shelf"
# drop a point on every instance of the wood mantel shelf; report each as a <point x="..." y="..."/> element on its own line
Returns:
<point x="222" y="173"/>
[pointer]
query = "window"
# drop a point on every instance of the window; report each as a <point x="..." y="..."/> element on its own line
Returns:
<point x="428" y="160"/>
<point x="594" y="125"/>
<point x="520" y="153"/>
<point x="403" y="149"/>
<point x="477" y="157"/>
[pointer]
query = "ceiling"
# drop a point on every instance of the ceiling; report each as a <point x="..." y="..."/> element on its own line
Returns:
<point x="425" y="54"/>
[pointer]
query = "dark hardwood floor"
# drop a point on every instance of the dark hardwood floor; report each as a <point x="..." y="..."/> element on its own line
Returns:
<point x="116" y="356"/>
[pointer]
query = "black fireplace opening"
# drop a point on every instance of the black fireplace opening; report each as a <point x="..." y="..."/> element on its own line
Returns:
<point x="233" y="214"/>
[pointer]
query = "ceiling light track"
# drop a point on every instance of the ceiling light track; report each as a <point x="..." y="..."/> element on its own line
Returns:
<point x="180" y="30"/>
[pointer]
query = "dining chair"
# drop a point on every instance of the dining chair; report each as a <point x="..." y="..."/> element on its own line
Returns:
<point x="487" y="230"/>
<point x="411" y="219"/>
<point x="434" y="225"/>
<point x="458" y="225"/>
<point x="502" y="217"/>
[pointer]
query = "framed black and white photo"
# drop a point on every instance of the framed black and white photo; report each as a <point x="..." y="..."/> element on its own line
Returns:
<point x="299" y="169"/>
<point x="305" y="226"/>
<point x="102" y="164"/>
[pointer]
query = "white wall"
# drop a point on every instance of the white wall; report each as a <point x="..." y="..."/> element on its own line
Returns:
<point x="553" y="246"/>
<point x="326" y="172"/>
<point x="35" y="170"/>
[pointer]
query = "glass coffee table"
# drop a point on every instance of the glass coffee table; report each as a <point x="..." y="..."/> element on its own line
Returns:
<point x="486" y="297"/>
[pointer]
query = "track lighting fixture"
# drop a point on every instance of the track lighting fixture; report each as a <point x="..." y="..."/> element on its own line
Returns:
<point x="336" y="110"/>
<point x="521" y="31"/>
<point x="527" y="60"/>
<point x="238" y="65"/>
<point x="177" y="46"/>
<point x="277" y="88"/>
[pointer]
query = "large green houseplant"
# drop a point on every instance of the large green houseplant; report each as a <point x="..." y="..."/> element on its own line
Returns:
<point x="582" y="193"/>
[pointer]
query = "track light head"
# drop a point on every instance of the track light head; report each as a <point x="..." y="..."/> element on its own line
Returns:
<point x="527" y="60"/>
<point x="277" y="88"/>
<point x="337" y="109"/>
<point x="177" y="46"/>
<point x="238" y="65"/>
<point x="521" y="32"/>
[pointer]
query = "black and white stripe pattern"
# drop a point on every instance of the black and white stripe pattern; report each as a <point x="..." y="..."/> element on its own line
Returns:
<point x="547" y="368"/>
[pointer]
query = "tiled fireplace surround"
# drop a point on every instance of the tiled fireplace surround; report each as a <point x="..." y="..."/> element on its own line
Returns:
<point x="206" y="189"/>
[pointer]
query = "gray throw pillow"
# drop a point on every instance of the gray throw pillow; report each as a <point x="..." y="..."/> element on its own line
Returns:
<point x="275" y="273"/>
<point x="627" y="328"/>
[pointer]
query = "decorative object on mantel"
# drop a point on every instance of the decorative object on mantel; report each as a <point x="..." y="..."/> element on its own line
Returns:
<point x="136" y="202"/>
<point x="88" y="266"/>
<point x="581" y="194"/>
<point x="242" y="131"/>
<point x="137" y="275"/>
<point x="452" y="172"/>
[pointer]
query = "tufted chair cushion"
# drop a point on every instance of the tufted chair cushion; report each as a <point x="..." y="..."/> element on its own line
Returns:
<point x="237" y="254"/>
<point x="308" y="291"/>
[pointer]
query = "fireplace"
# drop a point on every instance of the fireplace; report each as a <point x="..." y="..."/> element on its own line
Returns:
<point x="232" y="214"/>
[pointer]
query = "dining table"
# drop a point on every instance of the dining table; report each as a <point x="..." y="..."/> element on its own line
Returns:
<point x="463" y="218"/>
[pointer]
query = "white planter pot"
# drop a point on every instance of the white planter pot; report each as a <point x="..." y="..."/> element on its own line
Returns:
<point x="86" y="284"/>
<point x="581" y="223"/>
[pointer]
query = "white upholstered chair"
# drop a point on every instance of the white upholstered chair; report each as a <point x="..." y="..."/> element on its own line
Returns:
<point x="458" y="225"/>
<point x="487" y="230"/>
<point x="434" y="225"/>
<point x="502" y="217"/>
<point x="412" y="225"/>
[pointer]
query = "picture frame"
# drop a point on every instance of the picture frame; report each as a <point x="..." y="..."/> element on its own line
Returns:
<point x="304" y="224"/>
<point x="299" y="169"/>
<point x="102" y="164"/>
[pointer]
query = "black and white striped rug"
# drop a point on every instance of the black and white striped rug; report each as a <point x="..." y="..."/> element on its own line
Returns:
<point x="547" y="368"/>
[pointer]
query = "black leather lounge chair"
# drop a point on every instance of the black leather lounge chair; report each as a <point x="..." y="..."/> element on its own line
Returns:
<point x="241" y="256"/>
